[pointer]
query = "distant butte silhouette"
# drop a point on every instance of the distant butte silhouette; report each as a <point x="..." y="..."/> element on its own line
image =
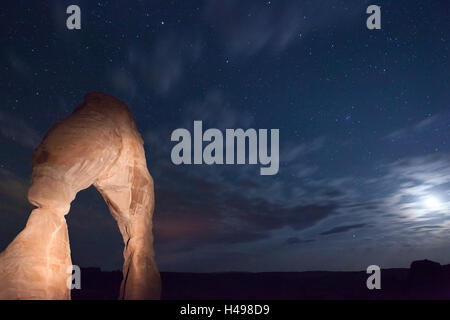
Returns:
<point x="98" y="144"/>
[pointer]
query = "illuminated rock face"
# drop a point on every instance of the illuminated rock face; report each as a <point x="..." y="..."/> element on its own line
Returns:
<point x="97" y="145"/>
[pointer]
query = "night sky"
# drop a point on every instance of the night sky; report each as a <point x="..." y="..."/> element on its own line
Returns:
<point x="364" y="120"/>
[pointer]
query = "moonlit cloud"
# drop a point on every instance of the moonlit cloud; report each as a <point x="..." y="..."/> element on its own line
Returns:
<point x="18" y="130"/>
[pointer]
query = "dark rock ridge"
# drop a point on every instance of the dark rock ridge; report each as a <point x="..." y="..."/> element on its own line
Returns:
<point x="423" y="280"/>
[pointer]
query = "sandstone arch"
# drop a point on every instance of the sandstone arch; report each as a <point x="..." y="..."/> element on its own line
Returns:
<point x="98" y="144"/>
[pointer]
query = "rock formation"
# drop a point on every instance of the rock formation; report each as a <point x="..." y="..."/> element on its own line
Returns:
<point x="98" y="144"/>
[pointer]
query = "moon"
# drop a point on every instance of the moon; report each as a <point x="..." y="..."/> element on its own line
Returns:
<point x="431" y="202"/>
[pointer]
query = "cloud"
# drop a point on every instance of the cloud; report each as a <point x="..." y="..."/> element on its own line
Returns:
<point x="297" y="241"/>
<point x="18" y="130"/>
<point x="293" y="152"/>
<point x="19" y="65"/>
<point x="420" y="228"/>
<point x="264" y="215"/>
<point x="430" y="170"/>
<point x="426" y="122"/>
<point x="199" y="211"/>
<point x="13" y="189"/>
<point x="415" y="179"/>
<point x="294" y="157"/>
<point x="420" y="127"/>
<point x="216" y="111"/>
<point x="14" y="206"/>
<point x="161" y="66"/>
<point x="345" y="228"/>
<point x="123" y="82"/>
<point x="247" y="27"/>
